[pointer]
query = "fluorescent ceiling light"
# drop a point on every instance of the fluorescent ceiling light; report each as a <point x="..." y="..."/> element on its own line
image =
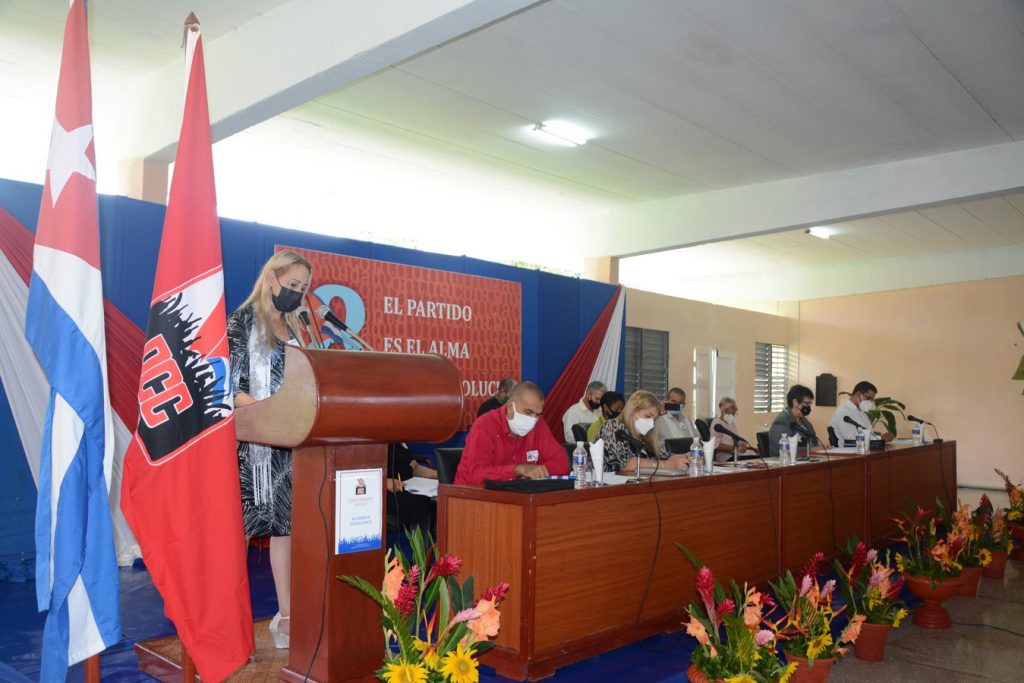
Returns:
<point x="821" y="232"/>
<point x="562" y="133"/>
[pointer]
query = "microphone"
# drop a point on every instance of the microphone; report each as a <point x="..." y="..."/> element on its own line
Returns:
<point x="849" y="420"/>
<point x="795" y="426"/>
<point x="918" y="420"/>
<point x="736" y="437"/>
<point x="327" y="315"/>
<point x="303" y="314"/>
<point x="635" y="443"/>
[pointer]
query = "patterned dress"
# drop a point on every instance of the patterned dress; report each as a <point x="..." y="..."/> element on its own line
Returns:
<point x="266" y="501"/>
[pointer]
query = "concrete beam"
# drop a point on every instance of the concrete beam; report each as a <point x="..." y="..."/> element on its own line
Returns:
<point x="291" y="55"/>
<point x="802" y="202"/>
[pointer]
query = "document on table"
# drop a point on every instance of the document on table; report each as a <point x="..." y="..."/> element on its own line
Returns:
<point x="421" y="486"/>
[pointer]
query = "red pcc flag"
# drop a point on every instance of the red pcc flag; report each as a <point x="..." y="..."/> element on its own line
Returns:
<point x="180" y="491"/>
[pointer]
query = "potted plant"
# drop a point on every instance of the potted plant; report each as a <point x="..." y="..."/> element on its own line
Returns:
<point x="995" y="537"/>
<point x="962" y="523"/>
<point x="734" y="640"/>
<point x="806" y="627"/>
<point x="434" y="630"/>
<point x="929" y="565"/>
<point x="871" y="586"/>
<point x="1015" y="515"/>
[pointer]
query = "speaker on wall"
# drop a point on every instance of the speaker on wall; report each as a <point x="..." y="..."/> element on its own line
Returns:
<point x="825" y="390"/>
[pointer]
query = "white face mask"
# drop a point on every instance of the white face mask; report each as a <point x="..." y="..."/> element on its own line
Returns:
<point x="643" y="425"/>
<point x="866" y="405"/>
<point x="729" y="418"/>
<point x="521" y="424"/>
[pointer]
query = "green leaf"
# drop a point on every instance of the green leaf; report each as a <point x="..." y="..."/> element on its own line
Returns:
<point x="444" y="609"/>
<point x="483" y="646"/>
<point x="367" y="588"/>
<point x="455" y="593"/>
<point x="1020" y="370"/>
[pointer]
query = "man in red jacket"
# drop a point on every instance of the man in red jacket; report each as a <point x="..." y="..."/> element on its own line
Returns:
<point x="512" y="443"/>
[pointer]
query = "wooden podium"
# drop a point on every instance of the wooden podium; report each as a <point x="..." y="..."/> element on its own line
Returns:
<point x="338" y="410"/>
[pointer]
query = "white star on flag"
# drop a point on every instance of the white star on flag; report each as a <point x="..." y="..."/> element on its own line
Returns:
<point x="67" y="156"/>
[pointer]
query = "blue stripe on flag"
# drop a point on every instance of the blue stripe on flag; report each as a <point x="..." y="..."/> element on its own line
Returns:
<point x="83" y="543"/>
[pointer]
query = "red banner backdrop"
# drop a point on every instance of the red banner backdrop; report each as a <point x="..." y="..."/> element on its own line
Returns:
<point x="475" y="321"/>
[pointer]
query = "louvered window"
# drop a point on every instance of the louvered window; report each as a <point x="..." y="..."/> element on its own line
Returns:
<point x="770" y="374"/>
<point x="646" y="361"/>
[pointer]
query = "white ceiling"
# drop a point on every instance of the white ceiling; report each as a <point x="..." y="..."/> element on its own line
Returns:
<point x="682" y="97"/>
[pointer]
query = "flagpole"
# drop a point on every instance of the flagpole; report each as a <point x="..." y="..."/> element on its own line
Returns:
<point x="92" y="669"/>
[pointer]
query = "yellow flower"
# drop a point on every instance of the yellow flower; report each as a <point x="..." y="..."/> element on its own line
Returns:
<point x="460" y="667"/>
<point x="899" y="562"/>
<point x="1014" y="515"/>
<point x="430" y="656"/>
<point x="818" y="644"/>
<point x="404" y="672"/>
<point x="984" y="557"/>
<point x="900" y="616"/>
<point x="742" y="678"/>
<point x="788" y="673"/>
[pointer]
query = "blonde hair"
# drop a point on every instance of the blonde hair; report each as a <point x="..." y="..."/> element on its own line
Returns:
<point x="261" y="296"/>
<point x="636" y="402"/>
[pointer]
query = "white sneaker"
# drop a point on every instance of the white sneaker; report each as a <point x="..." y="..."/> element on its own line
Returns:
<point x="280" y="639"/>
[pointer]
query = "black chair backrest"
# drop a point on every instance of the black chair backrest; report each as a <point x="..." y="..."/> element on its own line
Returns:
<point x="579" y="432"/>
<point x="680" y="445"/>
<point x="703" y="429"/>
<point x="762" y="444"/>
<point x="833" y="440"/>
<point x="447" y="461"/>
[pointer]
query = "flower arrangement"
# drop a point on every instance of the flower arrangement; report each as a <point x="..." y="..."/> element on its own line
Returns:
<point x="1015" y="515"/>
<point x="871" y="586"/>
<point x="963" y="524"/>
<point x="747" y="652"/>
<point x="433" y="628"/>
<point x="928" y="553"/>
<point x="806" y="628"/>
<point x="995" y="533"/>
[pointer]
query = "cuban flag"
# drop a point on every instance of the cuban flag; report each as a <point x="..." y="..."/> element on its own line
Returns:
<point x="76" y="565"/>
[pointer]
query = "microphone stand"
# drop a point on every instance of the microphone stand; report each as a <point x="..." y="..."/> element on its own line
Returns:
<point x="349" y="332"/>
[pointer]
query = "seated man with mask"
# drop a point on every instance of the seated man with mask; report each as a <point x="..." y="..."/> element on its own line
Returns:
<point x="727" y="418"/>
<point x="861" y="400"/>
<point x="675" y="423"/>
<point x="798" y="402"/>
<point x="512" y="442"/>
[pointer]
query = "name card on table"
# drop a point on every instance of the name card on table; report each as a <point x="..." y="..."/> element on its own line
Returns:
<point x="357" y="511"/>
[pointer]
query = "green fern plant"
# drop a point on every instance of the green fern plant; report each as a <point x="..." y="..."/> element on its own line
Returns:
<point x="885" y="410"/>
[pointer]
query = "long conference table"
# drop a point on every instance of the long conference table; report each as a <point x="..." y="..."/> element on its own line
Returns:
<point x="593" y="569"/>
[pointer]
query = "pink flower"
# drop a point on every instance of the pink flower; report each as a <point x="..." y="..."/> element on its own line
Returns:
<point x="872" y="554"/>
<point x="805" y="585"/>
<point x="763" y="637"/>
<point x="877" y="578"/>
<point x="706" y="589"/>
<point x="826" y="592"/>
<point x="465" y="615"/>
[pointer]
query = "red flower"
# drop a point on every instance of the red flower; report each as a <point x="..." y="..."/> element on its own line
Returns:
<point x="706" y="589"/>
<point x="955" y="546"/>
<point x="727" y="606"/>
<point x="768" y="601"/>
<point x="919" y="515"/>
<point x="860" y="558"/>
<point x="496" y="593"/>
<point x="985" y="503"/>
<point x="811" y="568"/>
<point x="446" y="565"/>
<point x="406" y="600"/>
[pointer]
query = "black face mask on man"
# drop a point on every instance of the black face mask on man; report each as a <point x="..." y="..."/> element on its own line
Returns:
<point x="594" y="405"/>
<point x="805" y="410"/>
<point x="287" y="300"/>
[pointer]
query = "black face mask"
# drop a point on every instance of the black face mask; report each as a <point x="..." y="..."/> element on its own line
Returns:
<point x="614" y="414"/>
<point x="287" y="300"/>
<point x="806" y="410"/>
<point x="594" y="405"/>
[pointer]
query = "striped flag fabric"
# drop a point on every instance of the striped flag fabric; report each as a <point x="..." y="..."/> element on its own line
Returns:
<point x="76" y="564"/>
<point x="180" y="492"/>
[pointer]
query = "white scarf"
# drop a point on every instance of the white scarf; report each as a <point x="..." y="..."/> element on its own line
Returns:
<point x="259" y="389"/>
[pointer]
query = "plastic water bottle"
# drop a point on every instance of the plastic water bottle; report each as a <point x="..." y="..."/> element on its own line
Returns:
<point x="579" y="465"/>
<point x="696" y="462"/>
<point x="862" y="442"/>
<point x="696" y="454"/>
<point x="784" y="450"/>
<point x="917" y="433"/>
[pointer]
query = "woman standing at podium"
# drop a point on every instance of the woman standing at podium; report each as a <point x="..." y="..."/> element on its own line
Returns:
<point x="257" y="334"/>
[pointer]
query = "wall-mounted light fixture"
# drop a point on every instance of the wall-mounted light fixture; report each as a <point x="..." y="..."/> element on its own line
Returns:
<point x="562" y="133"/>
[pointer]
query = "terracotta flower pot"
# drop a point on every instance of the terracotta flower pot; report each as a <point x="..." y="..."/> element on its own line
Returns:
<point x="805" y="673"/>
<point x="997" y="567"/>
<point x="870" y="645"/>
<point x="970" y="577"/>
<point x="1017" y="531"/>
<point x="932" y="592"/>
<point x="695" y="675"/>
